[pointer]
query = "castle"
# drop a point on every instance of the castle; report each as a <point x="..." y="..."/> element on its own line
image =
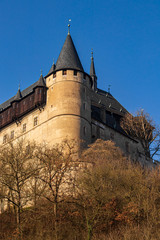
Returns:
<point x="66" y="103"/>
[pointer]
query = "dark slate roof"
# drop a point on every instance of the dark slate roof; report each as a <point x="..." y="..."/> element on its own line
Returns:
<point x="24" y="93"/>
<point x="18" y="96"/>
<point x="68" y="58"/>
<point x="41" y="82"/>
<point x="105" y="99"/>
<point x="92" y="68"/>
<point x="52" y="69"/>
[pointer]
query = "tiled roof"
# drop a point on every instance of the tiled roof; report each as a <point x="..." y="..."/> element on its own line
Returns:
<point x="108" y="101"/>
<point x="24" y="93"/>
<point x="68" y="58"/>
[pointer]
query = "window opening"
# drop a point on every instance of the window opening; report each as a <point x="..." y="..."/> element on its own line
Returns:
<point x="64" y="72"/>
<point x="35" y="121"/>
<point x="12" y="134"/>
<point x="24" y="127"/>
<point x="4" y="138"/>
<point x="75" y="72"/>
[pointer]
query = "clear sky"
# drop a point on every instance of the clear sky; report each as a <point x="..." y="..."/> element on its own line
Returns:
<point x="124" y="35"/>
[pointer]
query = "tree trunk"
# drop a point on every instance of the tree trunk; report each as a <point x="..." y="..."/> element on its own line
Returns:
<point x="89" y="228"/>
<point x="19" y="216"/>
<point x="55" y="222"/>
<point x="19" y="223"/>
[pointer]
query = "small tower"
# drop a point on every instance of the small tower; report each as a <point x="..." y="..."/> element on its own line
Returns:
<point x="40" y="92"/>
<point x="93" y="73"/>
<point x="68" y="96"/>
<point x="15" y="104"/>
<point x="18" y="96"/>
<point x="52" y="69"/>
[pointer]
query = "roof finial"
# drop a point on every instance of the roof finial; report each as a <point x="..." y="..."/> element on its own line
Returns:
<point x="69" y="26"/>
<point x="92" y="53"/>
<point x="109" y="88"/>
<point x="19" y="86"/>
<point x="41" y="72"/>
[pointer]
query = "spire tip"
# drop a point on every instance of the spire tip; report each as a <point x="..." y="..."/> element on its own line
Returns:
<point x="69" y="26"/>
<point x="92" y="53"/>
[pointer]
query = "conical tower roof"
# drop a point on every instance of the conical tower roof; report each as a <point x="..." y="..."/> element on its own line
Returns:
<point x="18" y="96"/>
<point x="68" y="58"/>
<point x="41" y="82"/>
<point x="52" y="69"/>
<point x="92" y="68"/>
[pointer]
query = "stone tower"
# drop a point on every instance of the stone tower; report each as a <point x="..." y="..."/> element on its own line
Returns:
<point x="68" y="96"/>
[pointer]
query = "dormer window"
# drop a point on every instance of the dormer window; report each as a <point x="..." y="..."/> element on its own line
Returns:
<point x="64" y="72"/>
<point x="75" y="72"/>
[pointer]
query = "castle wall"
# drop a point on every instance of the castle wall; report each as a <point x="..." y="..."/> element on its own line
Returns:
<point x="67" y="113"/>
<point x="130" y="147"/>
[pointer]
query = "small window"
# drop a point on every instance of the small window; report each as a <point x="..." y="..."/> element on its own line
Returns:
<point x="64" y="72"/>
<point x="84" y="76"/>
<point x="54" y="75"/>
<point x="4" y="139"/>
<point x="12" y="134"/>
<point x="35" y="121"/>
<point x="84" y="106"/>
<point x="84" y="131"/>
<point x="75" y="72"/>
<point x="24" y="127"/>
<point x="111" y="136"/>
<point x="127" y="147"/>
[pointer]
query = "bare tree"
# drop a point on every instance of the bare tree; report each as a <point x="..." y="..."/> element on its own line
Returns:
<point x="96" y="182"/>
<point x="58" y="164"/>
<point x="141" y="127"/>
<point x="17" y="167"/>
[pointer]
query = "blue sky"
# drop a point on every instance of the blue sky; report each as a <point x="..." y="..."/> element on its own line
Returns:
<point x="124" y="35"/>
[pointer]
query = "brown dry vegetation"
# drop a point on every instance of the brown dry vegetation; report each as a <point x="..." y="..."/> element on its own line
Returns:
<point x="110" y="198"/>
<point x="141" y="127"/>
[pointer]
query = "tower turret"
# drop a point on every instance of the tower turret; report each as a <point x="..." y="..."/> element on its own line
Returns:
<point x="93" y="73"/>
<point x="68" y="96"/>
<point x="15" y="104"/>
<point x="52" y="69"/>
<point x="40" y="92"/>
<point x="18" y="96"/>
